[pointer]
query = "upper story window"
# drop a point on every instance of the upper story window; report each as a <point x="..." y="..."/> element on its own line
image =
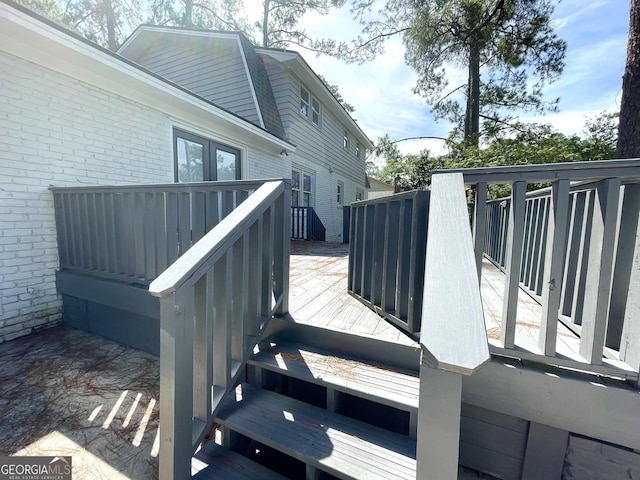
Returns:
<point x="345" y="139"/>
<point x="359" y="194"/>
<point x="309" y="106"/>
<point x="358" y="151"/>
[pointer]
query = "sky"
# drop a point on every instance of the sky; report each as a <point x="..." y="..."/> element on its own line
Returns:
<point x="381" y="90"/>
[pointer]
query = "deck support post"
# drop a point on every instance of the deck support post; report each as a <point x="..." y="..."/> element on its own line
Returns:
<point x="438" y="424"/>
<point x="544" y="456"/>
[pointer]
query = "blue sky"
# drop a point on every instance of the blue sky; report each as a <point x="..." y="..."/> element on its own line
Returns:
<point x="380" y="91"/>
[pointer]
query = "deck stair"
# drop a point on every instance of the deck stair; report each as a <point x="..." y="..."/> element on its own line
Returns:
<point x="308" y="413"/>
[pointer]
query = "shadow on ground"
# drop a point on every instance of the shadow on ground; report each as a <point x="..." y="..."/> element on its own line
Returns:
<point x="66" y="392"/>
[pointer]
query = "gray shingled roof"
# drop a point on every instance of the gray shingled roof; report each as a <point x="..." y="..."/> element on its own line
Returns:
<point x="262" y="87"/>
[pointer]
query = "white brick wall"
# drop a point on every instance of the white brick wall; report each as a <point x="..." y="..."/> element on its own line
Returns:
<point x="57" y="131"/>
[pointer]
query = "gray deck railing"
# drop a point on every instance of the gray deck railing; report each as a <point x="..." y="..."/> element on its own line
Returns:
<point x="306" y="225"/>
<point x="387" y="254"/>
<point x="453" y="336"/>
<point x="134" y="232"/>
<point x="573" y="247"/>
<point x="214" y="302"/>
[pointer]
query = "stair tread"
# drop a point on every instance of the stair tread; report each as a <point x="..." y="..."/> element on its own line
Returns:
<point x="215" y="462"/>
<point x="339" y="445"/>
<point x="390" y="387"/>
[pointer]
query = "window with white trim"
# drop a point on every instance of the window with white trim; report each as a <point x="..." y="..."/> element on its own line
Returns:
<point x="309" y="106"/>
<point x="302" y="187"/>
<point x="359" y="194"/>
<point x="345" y="139"/>
<point x="358" y="150"/>
<point x="340" y="193"/>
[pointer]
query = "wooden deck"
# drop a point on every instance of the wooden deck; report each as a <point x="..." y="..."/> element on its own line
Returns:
<point x="318" y="293"/>
<point x="319" y="297"/>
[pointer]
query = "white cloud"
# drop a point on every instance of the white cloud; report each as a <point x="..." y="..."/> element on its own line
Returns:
<point x="381" y="90"/>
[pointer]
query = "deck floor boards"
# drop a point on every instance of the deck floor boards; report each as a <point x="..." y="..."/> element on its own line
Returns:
<point x="319" y="297"/>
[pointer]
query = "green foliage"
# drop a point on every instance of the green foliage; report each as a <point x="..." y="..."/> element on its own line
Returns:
<point x="336" y="93"/>
<point x="533" y="144"/>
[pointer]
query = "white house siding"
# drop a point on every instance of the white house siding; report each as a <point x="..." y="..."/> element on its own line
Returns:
<point x="58" y="131"/>
<point x="319" y="149"/>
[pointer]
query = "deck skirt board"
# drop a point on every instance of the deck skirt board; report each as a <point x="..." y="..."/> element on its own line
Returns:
<point x="385" y="386"/>
<point x="336" y="444"/>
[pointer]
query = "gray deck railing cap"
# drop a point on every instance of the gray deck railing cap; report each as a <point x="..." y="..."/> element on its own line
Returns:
<point x="170" y="186"/>
<point x="453" y="335"/>
<point x="548" y="172"/>
<point x="215" y="243"/>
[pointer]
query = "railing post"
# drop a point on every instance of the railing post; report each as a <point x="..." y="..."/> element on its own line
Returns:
<point x="176" y="384"/>
<point x="438" y="424"/>
<point x="553" y="266"/>
<point x="599" y="270"/>
<point x="281" y="258"/>
<point x="624" y="260"/>
<point x="515" y="232"/>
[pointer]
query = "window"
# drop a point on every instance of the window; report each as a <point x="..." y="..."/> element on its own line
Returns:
<point x="345" y="140"/>
<point x="340" y="193"/>
<point x="358" y="151"/>
<point x="301" y="187"/>
<point x="309" y="106"/>
<point x="359" y="194"/>
<point x="304" y="102"/>
<point x="199" y="159"/>
<point x="315" y="111"/>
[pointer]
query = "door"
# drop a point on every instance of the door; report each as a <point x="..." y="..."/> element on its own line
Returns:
<point x="199" y="159"/>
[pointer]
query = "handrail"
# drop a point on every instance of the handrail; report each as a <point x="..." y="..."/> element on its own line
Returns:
<point x="215" y="301"/>
<point x="453" y="335"/>
<point x="547" y="172"/>
<point x="154" y="187"/>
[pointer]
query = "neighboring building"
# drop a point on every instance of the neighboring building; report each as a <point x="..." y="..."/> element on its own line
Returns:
<point x="275" y="90"/>
<point x="378" y="188"/>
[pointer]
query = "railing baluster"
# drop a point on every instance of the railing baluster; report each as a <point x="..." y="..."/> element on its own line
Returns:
<point x="479" y="216"/>
<point x="201" y="393"/>
<point x="184" y="222"/>
<point x="600" y="270"/>
<point x="239" y="309"/>
<point x="514" y="252"/>
<point x="222" y="279"/>
<point x="198" y="208"/>
<point x="267" y="262"/>
<point x="390" y="258"/>
<point x="543" y="247"/>
<point x="554" y="260"/>
<point x="282" y="240"/>
<point x="577" y="306"/>
<point x="172" y="228"/>
<point x="573" y="245"/>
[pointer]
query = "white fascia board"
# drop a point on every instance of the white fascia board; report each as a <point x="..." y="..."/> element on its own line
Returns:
<point x="296" y="63"/>
<point x="27" y="37"/>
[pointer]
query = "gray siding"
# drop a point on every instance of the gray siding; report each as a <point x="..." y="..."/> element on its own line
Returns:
<point x="210" y="67"/>
<point x="319" y="145"/>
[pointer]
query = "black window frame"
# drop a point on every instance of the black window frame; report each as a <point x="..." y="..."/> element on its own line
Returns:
<point x="210" y="147"/>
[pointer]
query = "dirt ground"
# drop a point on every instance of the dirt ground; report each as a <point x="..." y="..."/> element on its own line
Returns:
<point x="66" y="392"/>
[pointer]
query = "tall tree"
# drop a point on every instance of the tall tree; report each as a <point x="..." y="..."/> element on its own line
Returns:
<point x="280" y="19"/>
<point x="507" y="48"/>
<point x="629" y="129"/>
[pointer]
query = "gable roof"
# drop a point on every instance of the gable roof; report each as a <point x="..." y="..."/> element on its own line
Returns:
<point x="28" y="35"/>
<point x="301" y="68"/>
<point x="148" y="44"/>
<point x="143" y="36"/>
